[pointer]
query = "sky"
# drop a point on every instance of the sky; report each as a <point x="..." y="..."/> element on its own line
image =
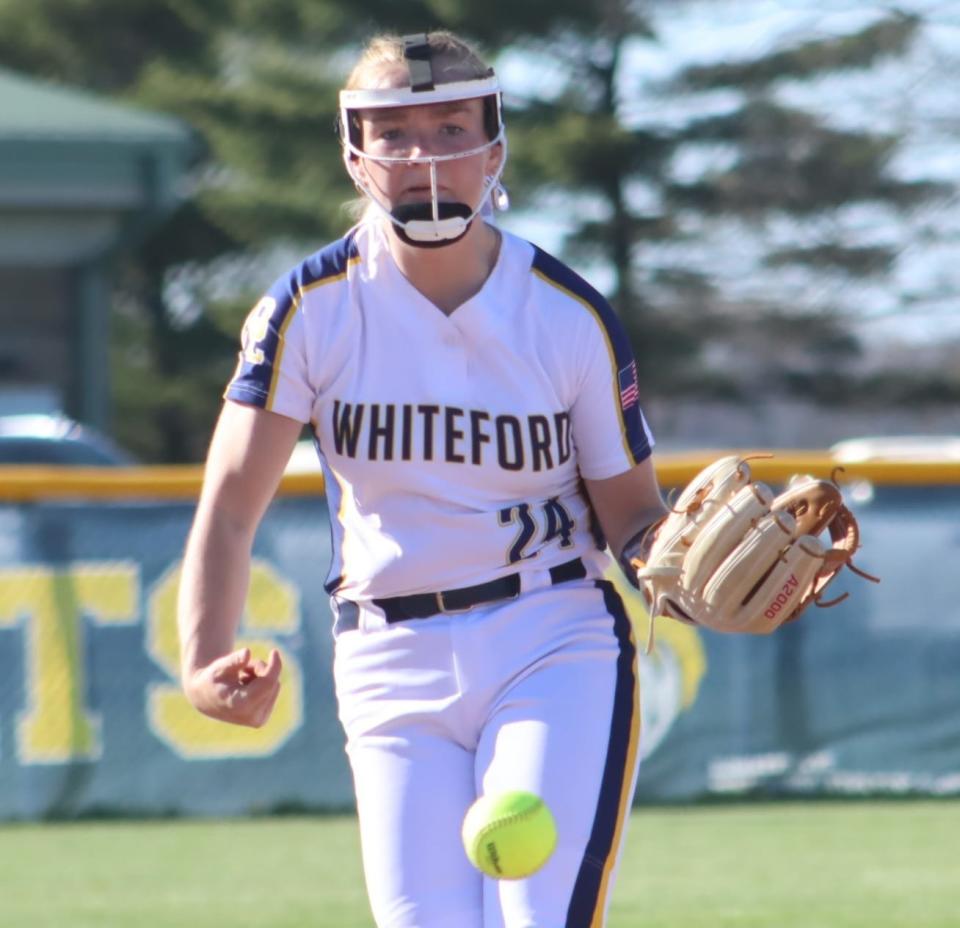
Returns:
<point x="917" y="95"/>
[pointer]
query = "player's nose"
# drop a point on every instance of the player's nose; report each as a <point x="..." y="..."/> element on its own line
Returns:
<point x="420" y="148"/>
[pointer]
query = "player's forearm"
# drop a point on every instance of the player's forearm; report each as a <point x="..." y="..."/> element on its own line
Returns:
<point x="636" y="534"/>
<point x="626" y="505"/>
<point x="213" y="588"/>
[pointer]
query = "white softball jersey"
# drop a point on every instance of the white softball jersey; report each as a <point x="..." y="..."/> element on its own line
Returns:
<point x="452" y="446"/>
<point x="454" y="449"/>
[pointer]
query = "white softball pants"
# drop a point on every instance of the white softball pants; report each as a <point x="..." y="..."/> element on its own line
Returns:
<point x="538" y="693"/>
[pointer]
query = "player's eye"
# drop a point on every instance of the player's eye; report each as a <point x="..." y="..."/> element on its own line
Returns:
<point x="452" y="129"/>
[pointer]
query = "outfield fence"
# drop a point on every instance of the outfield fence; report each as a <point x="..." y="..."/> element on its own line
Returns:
<point x="863" y="698"/>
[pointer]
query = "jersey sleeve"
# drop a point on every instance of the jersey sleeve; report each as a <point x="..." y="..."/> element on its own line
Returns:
<point x="609" y="429"/>
<point x="271" y="368"/>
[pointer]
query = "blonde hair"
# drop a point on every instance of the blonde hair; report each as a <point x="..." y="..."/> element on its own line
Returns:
<point x="454" y="59"/>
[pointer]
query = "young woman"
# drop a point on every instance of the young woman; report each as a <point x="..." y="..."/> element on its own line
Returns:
<point x="477" y="419"/>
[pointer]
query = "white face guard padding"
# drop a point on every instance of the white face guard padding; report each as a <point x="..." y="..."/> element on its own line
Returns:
<point x="429" y="224"/>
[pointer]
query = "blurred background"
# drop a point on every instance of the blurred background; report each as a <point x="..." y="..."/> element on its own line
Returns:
<point x="766" y="191"/>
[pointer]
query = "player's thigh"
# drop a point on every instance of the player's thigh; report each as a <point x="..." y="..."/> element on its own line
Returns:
<point x="413" y="781"/>
<point x="568" y="731"/>
<point x="413" y="790"/>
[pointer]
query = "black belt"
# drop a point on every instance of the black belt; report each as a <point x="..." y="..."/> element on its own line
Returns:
<point x="424" y="605"/>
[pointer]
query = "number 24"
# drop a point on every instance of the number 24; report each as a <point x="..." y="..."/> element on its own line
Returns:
<point x="557" y="524"/>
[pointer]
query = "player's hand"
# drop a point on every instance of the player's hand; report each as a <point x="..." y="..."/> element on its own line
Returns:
<point x="235" y="688"/>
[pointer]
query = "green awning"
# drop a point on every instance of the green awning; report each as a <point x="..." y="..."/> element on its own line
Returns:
<point x="82" y="179"/>
<point x="32" y="110"/>
<point x="79" y="174"/>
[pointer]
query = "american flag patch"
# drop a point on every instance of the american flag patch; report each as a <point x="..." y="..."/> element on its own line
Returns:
<point x="627" y="381"/>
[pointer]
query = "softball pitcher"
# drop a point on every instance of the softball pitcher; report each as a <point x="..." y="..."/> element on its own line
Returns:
<point x="476" y="414"/>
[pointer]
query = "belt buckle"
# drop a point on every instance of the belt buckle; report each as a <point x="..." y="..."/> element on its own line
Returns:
<point x="443" y="608"/>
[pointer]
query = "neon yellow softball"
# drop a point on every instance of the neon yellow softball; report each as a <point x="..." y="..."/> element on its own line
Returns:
<point x="509" y="835"/>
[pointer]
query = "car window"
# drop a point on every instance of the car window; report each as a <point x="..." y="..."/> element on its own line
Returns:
<point x="22" y="450"/>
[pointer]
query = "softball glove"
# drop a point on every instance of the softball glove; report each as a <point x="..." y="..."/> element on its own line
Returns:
<point x="734" y="557"/>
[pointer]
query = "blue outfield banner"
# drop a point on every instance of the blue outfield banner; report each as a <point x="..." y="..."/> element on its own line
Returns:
<point x="862" y="698"/>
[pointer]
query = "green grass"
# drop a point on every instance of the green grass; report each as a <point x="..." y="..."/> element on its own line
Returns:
<point x="794" y="865"/>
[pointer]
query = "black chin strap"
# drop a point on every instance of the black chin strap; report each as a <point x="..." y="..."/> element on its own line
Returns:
<point x="417" y="53"/>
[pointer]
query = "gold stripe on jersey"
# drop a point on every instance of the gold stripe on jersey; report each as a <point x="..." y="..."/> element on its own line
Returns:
<point x="281" y="335"/>
<point x="615" y="388"/>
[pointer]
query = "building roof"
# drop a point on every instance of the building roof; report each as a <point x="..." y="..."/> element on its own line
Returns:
<point x="33" y="110"/>
<point x="82" y="175"/>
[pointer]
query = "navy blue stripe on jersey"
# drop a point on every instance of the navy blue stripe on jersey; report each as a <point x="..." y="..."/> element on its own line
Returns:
<point x="334" y="492"/>
<point x="262" y="339"/>
<point x="588" y="901"/>
<point x="625" y="393"/>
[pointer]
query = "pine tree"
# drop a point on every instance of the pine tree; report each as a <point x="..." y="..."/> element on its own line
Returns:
<point x="257" y="80"/>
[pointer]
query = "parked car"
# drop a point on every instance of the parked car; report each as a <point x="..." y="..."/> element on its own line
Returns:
<point x="897" y="448"/>
<point x="56" y="439"/>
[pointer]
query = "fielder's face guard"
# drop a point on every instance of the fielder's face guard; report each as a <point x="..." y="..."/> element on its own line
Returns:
<point x="430" y="224"/>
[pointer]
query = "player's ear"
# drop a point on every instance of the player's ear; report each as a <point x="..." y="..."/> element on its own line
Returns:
<point x="494" y="157"/>
<point x="358" y="171"/>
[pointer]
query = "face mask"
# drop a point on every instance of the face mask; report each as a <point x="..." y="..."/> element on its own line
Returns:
<point x="429" y="224"/>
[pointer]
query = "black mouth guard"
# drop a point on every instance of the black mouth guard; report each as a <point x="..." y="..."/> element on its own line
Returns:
<point x="406" y="212"/>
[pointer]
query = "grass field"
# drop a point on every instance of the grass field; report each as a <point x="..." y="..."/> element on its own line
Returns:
<point x="792" y="865"/>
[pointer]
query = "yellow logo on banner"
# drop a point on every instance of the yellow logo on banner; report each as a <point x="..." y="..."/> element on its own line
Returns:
<point x="51" y="605"/>
<point x="273" y="607"/>
<point x="670" y="677"/>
